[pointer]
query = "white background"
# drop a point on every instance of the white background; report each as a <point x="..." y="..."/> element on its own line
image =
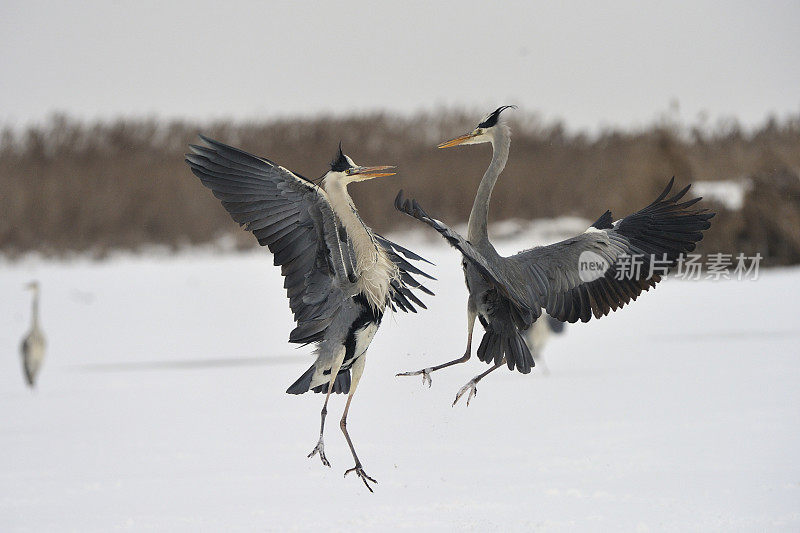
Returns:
<point x="591" y="64"/>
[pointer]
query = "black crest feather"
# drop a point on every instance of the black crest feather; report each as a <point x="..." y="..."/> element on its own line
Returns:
<point x="340" y="162"/>
<point x="491" y="120"/>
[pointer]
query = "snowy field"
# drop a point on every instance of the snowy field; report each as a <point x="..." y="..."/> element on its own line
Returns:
<point x="161" y="406"/>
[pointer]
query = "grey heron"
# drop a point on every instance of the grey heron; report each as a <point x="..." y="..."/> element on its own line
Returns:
<point x="507" y="294"/>
<point x="339" y="275"/>
<point x="34" y="344"/>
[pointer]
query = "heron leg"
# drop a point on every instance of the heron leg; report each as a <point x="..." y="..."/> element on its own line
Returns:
<point x="320" y="447"/>
<point x="471" y="384"/>
<point x="426" y="372"/>
<point x="356" y="371"/>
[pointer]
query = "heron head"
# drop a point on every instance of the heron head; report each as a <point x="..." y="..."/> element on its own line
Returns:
<point x="348" y="171"/>
<point x="32" y="285"/>
<point x="483" y="133"/>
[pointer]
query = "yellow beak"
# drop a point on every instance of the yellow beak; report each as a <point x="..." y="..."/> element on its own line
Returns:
<point x="365" y="173"/>
<point x="457" y="140"/>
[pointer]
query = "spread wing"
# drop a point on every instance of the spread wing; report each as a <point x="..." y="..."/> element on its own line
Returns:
<point x="401" y="296"/>
<point x="610" y="264"/>
<point x="290" y="215"/>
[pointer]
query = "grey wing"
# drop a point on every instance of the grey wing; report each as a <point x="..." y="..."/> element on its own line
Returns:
<point x="291" y="216"/>
<point x="401" y="296"/>
<point x="552" y="276"/>
<point x="521" y="312"/>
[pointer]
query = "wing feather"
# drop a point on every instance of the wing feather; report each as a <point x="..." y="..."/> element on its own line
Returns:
<point x="662" y="231"/>
<point x="401" y="294"/>
<point x="549" y="276"/>
<point x="292" y="217"/>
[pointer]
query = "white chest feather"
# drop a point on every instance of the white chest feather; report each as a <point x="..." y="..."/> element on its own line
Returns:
<point x="375" y="272"/>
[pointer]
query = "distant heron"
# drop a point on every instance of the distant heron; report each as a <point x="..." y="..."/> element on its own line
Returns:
<point x="34" y="343"/>
<point x="339" y="275"/>
<point x="537" y="336"/>
<point x="507" y="294"/>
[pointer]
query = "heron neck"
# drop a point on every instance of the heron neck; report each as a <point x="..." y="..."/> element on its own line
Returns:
<point x="345" y="209"/>
<point x="478" y="231"/>
<point x="35" y="309"/>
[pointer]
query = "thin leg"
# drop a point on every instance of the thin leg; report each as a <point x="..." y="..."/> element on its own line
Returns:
<point x="471" y="384"/>
<point x="320" y="447"/>
<point x="426" y="372"/>
<point x="356" y="371"/>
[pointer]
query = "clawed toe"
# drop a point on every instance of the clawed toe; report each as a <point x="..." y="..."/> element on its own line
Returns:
<point x="363" y="475"/>
<point x="426" y="375"/>
<point x="473" y="391"/>
<point x="320" y="449"/>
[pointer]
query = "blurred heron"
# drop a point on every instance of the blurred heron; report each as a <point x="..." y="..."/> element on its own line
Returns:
<point x="572" y="279"/>
<point x="34" y="343"/>
<point x="339" y="275"/>
<point x="537" y="336"/>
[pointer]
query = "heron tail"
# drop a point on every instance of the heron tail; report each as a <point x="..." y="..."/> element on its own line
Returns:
<point x="340" y="386"/>
<point x="495" y="345"/>
<point x="303" y="383"/>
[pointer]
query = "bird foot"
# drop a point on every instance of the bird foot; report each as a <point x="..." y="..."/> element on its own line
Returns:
<point x="363" y="475"/>
<point x="426" y="375"/>
<point x="471" y="386"/>
<point x="320" y="449"/>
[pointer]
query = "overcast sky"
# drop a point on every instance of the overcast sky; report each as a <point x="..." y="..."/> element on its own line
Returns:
<point x="580" y="61"/>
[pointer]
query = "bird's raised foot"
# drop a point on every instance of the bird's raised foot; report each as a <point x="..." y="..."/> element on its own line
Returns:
<point x="363" y="475"/>
<point x="426" y="375"/>
<point x="320" y="449"/>
<point x="471" y="386"/>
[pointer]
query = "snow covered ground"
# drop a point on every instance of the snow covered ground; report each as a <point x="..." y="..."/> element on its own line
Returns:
<point x="161" y="406"/>
<point x="729" y="193"/>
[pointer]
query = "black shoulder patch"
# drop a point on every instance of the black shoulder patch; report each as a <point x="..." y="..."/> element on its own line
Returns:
<point x="491" y="120"/>
<point x="604" y="222"/>
<point x="340" y="163"/>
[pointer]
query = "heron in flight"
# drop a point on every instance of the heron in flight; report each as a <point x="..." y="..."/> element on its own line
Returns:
<point x="340" y="276"/>
<point x="507" y="294"/>
<point x="34" y="344"/>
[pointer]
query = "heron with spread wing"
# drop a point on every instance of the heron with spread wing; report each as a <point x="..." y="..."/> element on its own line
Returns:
<point x="507" y="294"/>
<point x="339" y="275"/>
